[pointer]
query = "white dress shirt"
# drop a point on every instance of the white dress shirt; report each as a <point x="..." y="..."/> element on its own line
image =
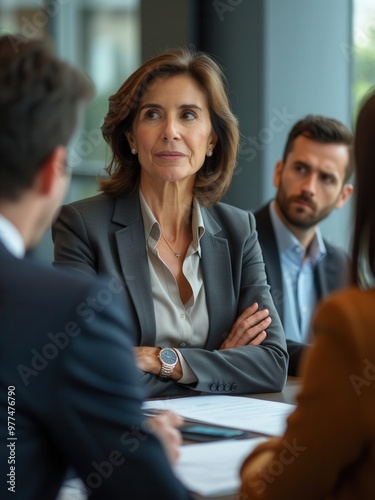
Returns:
<point x="11" y="238"/>
<point x="177" y="324"/>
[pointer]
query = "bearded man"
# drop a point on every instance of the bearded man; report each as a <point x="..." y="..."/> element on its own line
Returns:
<point x="311" y="180"/>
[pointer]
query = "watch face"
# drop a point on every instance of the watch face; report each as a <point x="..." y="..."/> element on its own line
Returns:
<point x="168" y="356"/>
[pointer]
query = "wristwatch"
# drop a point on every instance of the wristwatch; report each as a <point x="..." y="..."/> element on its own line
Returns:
<point x="168" y="358"/>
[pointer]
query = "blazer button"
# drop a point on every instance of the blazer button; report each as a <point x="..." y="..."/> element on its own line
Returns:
<point x="233" y="388"/>
<point x="227" y="387"/>
<point x="213" y="387"/>
<point x="221" y="387"/>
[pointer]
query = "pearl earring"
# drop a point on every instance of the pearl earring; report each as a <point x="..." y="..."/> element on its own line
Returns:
<point x="209" y="152"/>
<point x="133" y="150"/>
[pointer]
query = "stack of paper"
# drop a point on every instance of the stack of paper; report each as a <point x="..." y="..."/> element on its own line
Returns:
<point x="256" y="415"/>
<point x="212" y="469"/>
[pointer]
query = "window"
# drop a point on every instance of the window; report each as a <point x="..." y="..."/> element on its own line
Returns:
<point x="363" y="50"/>
<point x="23" y="16"/>
<point x="100" y="37"/>
<point x="110" y="54"/>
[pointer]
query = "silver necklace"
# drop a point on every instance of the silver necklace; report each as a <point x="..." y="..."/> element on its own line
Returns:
<point x="177" y="254"/>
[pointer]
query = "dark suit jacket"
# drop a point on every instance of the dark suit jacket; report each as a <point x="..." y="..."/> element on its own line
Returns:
<point x="67" y="371"/>
<point x="105" y="234"/>
<point x="330" y="274"/>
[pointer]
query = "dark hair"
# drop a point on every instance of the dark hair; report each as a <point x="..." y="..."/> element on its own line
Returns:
<point x="325" y="130"/>
<point x="364" y="228"/>
<point x="214" y="177"/>
<point x="39" y="97"/>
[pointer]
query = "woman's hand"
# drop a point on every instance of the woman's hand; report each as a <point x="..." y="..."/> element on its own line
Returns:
<point x="165" y="426"/>
<point x="147" y="359"/>
<point x="249" y="328"/>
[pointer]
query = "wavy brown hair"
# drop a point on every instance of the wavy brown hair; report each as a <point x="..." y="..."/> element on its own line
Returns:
<point x="364" y="153"/>
<point x="324" y="130"/>
<point x="214" y="177"/>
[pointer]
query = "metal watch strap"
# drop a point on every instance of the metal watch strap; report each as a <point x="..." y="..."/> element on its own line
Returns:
<point x="165" y="372"/>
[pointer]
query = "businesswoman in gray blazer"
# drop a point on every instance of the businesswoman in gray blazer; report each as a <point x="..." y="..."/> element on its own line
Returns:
<point x="191" y="265"/>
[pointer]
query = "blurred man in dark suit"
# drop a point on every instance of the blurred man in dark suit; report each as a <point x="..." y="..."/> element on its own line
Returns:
<point x="68" y="391"/>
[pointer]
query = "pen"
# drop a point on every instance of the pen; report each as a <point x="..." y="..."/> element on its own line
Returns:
<point x="151" y="412"/>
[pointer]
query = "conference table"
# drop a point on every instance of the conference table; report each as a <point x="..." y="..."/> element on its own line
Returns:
<point x="287" y="395"/>
<point x="73" y="489"/>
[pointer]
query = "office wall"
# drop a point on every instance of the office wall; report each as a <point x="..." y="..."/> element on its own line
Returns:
<point x="307" y="70"/>
<point x="284" y="59"/>
<point x="167" y="24"/>
<point x="232" y="32"/>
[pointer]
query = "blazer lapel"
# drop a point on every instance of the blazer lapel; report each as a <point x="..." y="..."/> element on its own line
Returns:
<point x="271" y="256"/>
<point x="216" y="269"/>
<point x="134" y="263"/>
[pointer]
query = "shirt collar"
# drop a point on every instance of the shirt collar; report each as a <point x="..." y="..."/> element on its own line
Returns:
<point x="152" y="226"/>
<point x="287" y="241"/>
<point x="11" y="238"/>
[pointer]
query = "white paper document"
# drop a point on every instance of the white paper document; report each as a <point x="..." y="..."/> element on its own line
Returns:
<point x="212" y="469"/>
<point x="264" y="417"/>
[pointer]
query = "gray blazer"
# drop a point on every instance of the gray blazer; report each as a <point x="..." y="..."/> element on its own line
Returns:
<point x="330" y="274"/>
<point x="105" y="234"/>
